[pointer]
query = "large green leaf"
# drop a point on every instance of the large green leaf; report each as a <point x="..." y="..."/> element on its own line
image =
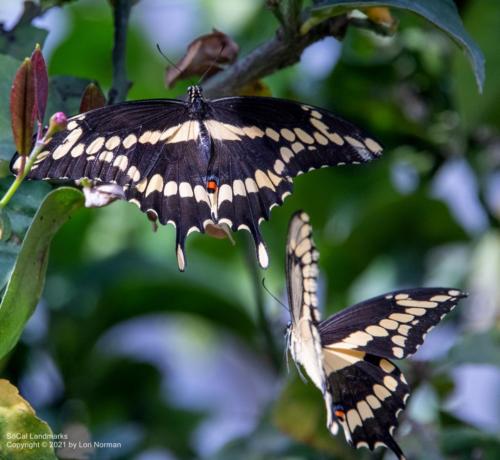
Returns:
<point x="482" y="19"/>
<point x="442" y="13"/>
<point x="27" y="280"/>
<point x="20" y="428"/>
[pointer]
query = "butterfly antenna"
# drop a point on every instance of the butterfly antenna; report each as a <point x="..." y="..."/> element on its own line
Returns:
<point x="212" y="65"/>
<point x="273" y="296"/>
<point x="172" y="63"/>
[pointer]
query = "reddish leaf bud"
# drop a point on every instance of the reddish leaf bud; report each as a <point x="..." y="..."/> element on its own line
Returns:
<point x="92" y="98"/>
<point x="41" y="83"/>
<point x="22" y="107"/>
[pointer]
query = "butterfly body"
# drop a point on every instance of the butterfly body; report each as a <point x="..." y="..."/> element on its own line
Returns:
<point x="199" y="163"/>
<point x="348" y="356"/>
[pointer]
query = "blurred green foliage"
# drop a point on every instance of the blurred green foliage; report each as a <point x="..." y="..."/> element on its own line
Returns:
<point x="124" y="348"/>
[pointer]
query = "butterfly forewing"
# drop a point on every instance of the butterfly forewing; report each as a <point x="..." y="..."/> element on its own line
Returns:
<point x="199" y="163"/>
<point x="393" y="325"/>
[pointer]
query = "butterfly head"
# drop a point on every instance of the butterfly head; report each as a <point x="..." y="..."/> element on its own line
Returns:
<point x="194" y="93"/>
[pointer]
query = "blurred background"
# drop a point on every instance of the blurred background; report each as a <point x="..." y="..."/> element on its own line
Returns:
<point x="124" y="348"/>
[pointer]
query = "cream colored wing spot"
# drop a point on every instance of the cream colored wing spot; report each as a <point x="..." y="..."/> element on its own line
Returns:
<point x="416" y="311"/>
<point x="187" y="131"/>
<point x="417" y="303"/>
<point x="132" y="172"/>
<point x="401" y="296"/>
<point x="354" y="142"/>
<point x="373" y="402"/>
<point x="223" y="131"/>
<point x="225" y="193"/>
<point x="335" y="138"/>
<point x="388" y="324"/>
<point x="398" y="352"/>
<point x="78" y="150"/>
<point x="141" y="186"/>
<point x="372" y="145"/>
<point x="381" y="392"/>
<point x="95" y="146"/>
<point x="181" y="261"/>
<point x="297" y="147"/>
<point x="41" y="156"/>
<point x="67" y="144"/>
<point x="358" y="338"/>
<point x="404" y="329"/>
<point x="399" y="340"/>
<point x="286" y="154"/>
<point x="377" y="331"/>
<point x="72" y="125"/>
<point x="279" y="167"/>
<point x="263" y="256"/>
<point x="454" y="293"/>
<point x="155" y="185"/>
<point x="287" y="134"/>
<point x="364" y="410"/>
<point x="130" y="141"/>
<point x="239" y="188"/>
<point x="390" y="382"/>
<point x="316" y="114"/>
<point x="320" y="139"/>
<point x="353" y="419"/>
<point x="113" y="142"/>
<point x="170" y="188"/>
<point x="106" y="156"/>
<point x="253" y="131"/>
<point x="136" y="202"/>
<point x="185" y="190"/>
<point x="262" y="180"/>
<point x="272" y="134"/>
<point x="387" y="366"/>
<point x="440" y="298"/>
<point x="251" y="186"/>
<point x="304" y="246"/>
<point x="401" y="317"/>
<point x="303" y="136"/>
<point x="200" y="194"/>
<point x="121" y="162"/>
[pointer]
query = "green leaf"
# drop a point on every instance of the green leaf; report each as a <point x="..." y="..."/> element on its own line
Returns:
<point x="8" y="68"/>
<point x="442" y="13"/>
<point x="483" y="21"/>
<point x="18" y="427"/>
<point x="304" y="403"/>
<point x="27" y="280"/>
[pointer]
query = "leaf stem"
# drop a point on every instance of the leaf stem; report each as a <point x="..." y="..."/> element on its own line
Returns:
<point x="25" y="168"/>
<point x="121" y="84"/>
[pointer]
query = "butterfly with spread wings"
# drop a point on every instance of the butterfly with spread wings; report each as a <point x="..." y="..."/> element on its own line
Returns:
<point x="199" y="164"/>
<point x="347" y="356"/>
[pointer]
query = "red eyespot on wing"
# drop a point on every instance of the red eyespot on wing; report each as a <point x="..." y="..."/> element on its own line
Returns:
<point x="211" y="186"/>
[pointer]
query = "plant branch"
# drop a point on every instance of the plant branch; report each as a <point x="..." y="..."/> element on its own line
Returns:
<point x="283" y="50"/>
<point x="120" y="84"/>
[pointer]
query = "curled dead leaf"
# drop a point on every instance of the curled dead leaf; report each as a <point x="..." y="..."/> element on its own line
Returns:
<point x="204" y="56"/>
<point x="382" y="16"/>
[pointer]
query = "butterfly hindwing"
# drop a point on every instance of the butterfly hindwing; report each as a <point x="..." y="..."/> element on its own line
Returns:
<point x="367" y="395"/>
<point x="393" y="325"/>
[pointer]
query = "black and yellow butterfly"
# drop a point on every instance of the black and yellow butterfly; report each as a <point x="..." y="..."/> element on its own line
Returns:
<point x="200" y="163"/>
<point x="347" y="356"/>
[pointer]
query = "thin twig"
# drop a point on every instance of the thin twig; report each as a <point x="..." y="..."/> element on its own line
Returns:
<point x="262" y="321"/>
<point x="121" y="84"/>
<point x="281" y="51"/>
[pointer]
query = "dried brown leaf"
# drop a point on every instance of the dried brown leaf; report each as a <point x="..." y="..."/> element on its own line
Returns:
<point x="204" y="56"/>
